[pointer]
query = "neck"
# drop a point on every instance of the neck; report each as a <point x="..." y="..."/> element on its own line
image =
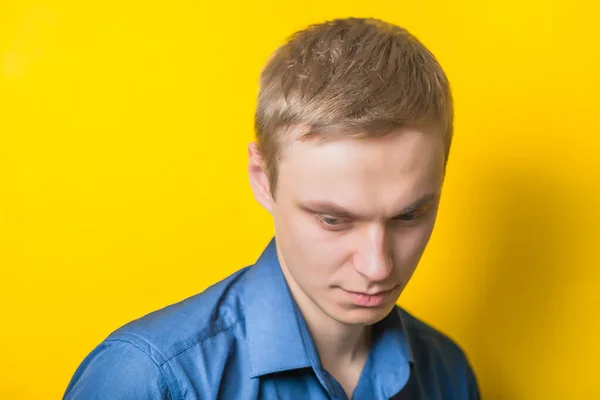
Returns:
<point x="338" y="344"/>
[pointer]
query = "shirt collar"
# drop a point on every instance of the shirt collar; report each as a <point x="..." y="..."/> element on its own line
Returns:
<point x="278" y="339"/>
<point x="274" y="338"/>
<point x="391" y="356"/>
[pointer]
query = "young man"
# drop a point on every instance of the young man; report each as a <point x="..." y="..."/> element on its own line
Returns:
<point x="354" y="125"/>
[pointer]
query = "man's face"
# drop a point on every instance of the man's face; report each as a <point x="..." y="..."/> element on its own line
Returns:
<point x="352" y="219"/>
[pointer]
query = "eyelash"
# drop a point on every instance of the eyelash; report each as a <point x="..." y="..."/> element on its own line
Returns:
<point x="413" y="214"/>
<point x="323" y="219"/>
<point x="333" y="222"/>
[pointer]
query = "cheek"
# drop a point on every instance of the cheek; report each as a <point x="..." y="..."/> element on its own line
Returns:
<point x="312" y="253"/>
<point x="409" y="247"/>
<point x="305" y="229"/>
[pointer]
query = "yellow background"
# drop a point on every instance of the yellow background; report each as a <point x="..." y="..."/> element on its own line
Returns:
<point x="123" y="133"/>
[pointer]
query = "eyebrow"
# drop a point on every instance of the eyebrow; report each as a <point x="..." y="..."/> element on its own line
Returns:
<point x="329" y="208"/>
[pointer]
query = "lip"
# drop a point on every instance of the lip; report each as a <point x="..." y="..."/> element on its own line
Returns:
<point x="369" y="300"/>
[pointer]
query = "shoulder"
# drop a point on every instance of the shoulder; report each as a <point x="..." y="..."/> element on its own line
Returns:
<point x="133" y="359"/>
<point x="169" y="331"/>
<point x="424" y="336"/>
<point x="118" y="370"/>
<point x="436" y="354"/>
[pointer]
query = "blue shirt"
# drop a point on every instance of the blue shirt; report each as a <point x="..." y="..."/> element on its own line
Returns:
<point x="244" y="338"/>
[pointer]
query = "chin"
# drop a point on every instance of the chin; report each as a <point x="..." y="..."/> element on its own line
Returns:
<point x="364" y="315"/>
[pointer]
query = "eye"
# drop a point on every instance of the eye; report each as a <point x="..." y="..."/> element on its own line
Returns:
<point x="413" y="215"/>
<point x="330" y="221"/>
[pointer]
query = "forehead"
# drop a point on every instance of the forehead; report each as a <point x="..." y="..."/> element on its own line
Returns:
<point x="382" y="172"/>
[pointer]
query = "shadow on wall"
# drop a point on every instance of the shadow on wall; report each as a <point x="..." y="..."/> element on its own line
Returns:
<point x="525" y="243"/>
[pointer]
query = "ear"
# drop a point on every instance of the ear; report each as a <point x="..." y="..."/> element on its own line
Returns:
<point x="259" y="181"/>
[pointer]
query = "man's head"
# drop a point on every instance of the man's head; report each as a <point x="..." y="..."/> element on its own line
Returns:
<point x="354" y="125"/>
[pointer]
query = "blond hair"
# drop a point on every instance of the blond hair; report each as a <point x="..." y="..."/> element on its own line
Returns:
<point x="348" y="77"/>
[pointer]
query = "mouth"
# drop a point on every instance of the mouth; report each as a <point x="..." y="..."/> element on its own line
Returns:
<point x="374" y="299"/>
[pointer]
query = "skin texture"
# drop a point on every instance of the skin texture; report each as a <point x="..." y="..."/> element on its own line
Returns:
<point x="389" y="188"/>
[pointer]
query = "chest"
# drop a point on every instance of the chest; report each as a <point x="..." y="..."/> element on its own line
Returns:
<point x="301" y="385"/>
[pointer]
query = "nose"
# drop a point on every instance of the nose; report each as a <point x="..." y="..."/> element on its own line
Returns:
<point x="373" y="257"/>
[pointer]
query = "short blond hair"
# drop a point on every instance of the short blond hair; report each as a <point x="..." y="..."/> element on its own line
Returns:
<point x="359" y="77"/>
